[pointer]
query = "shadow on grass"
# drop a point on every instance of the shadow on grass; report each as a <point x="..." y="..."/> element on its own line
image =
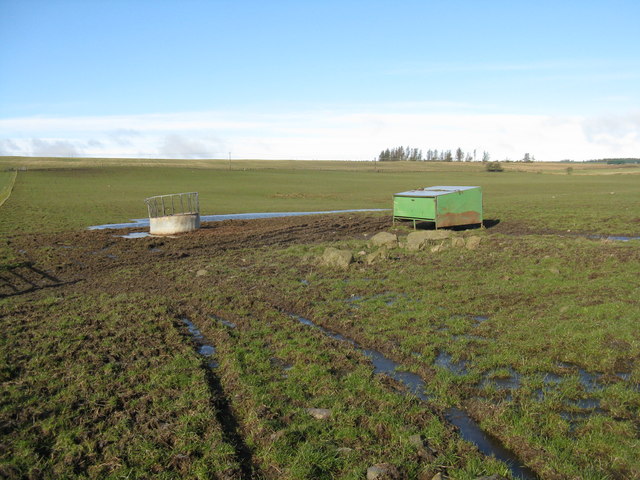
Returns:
<point x="224" y="413"/>
<point x="24" y="278"/>
<point x="487" y="223"/>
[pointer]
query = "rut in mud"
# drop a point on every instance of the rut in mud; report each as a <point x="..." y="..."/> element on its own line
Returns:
<point x="224" y="413"/>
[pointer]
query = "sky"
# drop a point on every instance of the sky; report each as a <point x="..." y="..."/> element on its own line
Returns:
<point x="306" y="79"/>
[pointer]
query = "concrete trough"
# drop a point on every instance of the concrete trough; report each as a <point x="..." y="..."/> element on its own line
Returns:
<point x="174" y="213"/>
<point x="173" y="224"/>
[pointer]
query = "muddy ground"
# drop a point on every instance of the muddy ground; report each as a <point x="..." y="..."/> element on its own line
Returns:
<point x="99" y="264"/>
<point x="47" y="260"/>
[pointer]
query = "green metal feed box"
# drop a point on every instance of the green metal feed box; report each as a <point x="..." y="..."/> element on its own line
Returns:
<point x="446" y="206"/>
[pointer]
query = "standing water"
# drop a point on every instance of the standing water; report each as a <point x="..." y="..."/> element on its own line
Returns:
<point x="144" y="222"/>
<point x="468" y="428"/>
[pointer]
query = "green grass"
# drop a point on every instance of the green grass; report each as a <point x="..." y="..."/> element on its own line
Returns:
<point x="108" y="385"/>
<point x="549" y="303"/>
<point x="90" y="394"/>
<point x="7" y="179"/>
<point x="62" y="199"/>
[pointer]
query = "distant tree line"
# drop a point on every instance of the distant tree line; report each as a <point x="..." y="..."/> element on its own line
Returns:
<point x="615" y="161"/>
<point x="399" y="154"/>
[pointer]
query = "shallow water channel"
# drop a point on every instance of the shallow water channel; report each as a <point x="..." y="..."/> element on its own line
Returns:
<point x="204" y="346"/>
<point x="144" y="222"/>
<point x="468" y="428"/>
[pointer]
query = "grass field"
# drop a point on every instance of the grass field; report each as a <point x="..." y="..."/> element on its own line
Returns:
<point x="186" y="357"/>
<point x="67" y="196"/>
<point x="7" y="180"/>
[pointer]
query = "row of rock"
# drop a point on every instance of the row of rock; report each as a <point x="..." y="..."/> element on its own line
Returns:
<point x="434" y="240"/>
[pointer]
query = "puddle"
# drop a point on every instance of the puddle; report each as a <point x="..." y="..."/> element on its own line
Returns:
<point x="511" y="382"/>
<point x="204" y="348"/>
<point x="616" y="238"/>
<point x="552" y="378"/>
<point x="135" y="223"/>
<point x="589" y="381"/>
<point x="135" y="235"/>
<point x="282" y="365"/>
<point x="586" y="403"/>
<point x="574" y="418"/>
<point x="468" y="428"/>
<point x="444" y="360"/>
<point x="480" y="318"/>
<point x="354" y="298"/>
<point x="388" y="298"/>
<point x="222" y="321"/>
<point x="487" y="444"/>
<point x="144" y="222"/>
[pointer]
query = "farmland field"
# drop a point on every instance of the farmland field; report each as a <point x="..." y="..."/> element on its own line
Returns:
<point x="233" y="352"/>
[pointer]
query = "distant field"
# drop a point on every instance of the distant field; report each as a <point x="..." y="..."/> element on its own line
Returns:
<point x="54" y="195"/>
<point x="248" y="164"/>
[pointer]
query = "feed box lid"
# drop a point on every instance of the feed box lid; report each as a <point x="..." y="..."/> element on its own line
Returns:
<point x="433" y="191"/>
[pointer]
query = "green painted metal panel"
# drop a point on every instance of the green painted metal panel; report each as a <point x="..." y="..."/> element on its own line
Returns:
<point x="446" y="206"/>
<point x="423" y="208"/>
<point x="460" y="208"/>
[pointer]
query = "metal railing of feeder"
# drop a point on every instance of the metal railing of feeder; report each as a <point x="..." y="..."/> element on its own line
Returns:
<point x="173" y="204"/>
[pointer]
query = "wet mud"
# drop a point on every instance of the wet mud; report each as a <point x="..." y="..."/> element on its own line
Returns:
<point x="66" y="259"/>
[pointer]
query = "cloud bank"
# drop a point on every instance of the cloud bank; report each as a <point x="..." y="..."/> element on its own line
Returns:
<point x="359" y="134"/>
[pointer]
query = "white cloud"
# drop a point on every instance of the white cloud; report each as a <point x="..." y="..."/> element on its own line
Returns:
<point x="54" y="148"/>
<point x="356" y="133"/>
<point x="9" y="147"/>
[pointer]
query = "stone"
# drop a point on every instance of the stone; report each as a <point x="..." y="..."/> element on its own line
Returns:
<point x="201" y="273"/>
<point x="319" y="413"/>
<point x="382" y="471"/>
<point x="437" y="476"/>
<point x="333" y="257"/>
<point x="457" y="242"/>
<point x="554" y="270"/>
<point x="344" y="450"/>
<point x="384" y="239"/>
<point x="473" y="242"/>
<point x="437" y="248"/>
<point x="416" y="440"/>
<point x="495" y="476"/>
<point x="417" y="240"/>
<point x="274" y="437"/>
<point x="378" y="255"/>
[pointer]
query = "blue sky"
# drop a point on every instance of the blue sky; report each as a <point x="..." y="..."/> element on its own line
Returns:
<point x="319" y="79"/>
